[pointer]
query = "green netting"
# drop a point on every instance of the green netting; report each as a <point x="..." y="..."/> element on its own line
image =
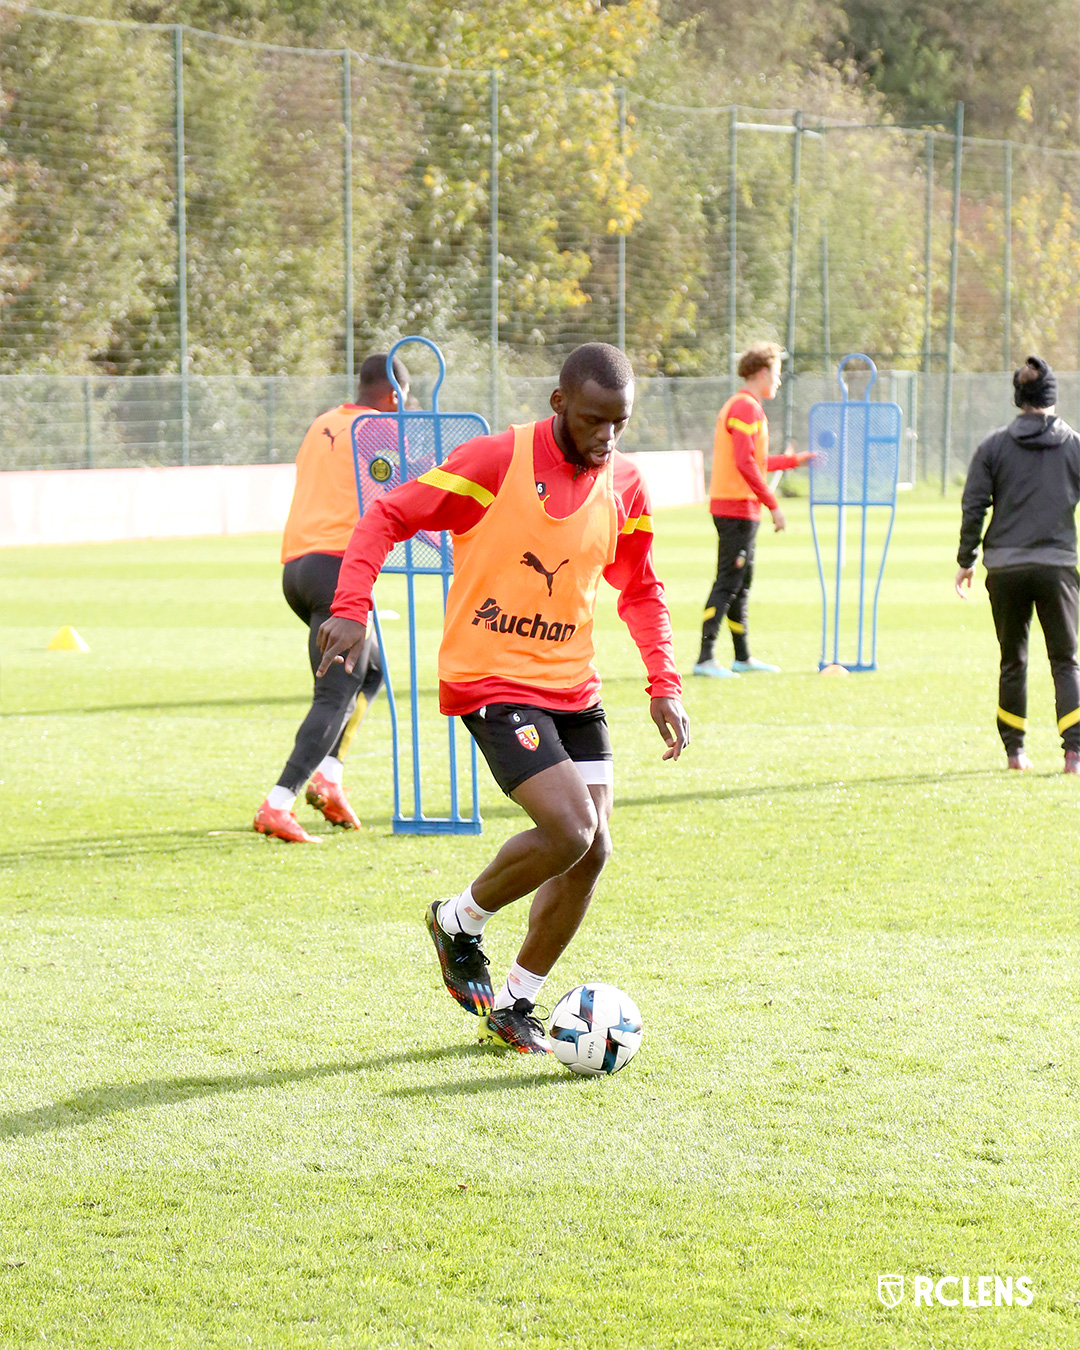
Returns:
<point x="180" y="206"/>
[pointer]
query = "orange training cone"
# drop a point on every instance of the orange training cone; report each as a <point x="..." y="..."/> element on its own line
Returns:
<point x="67" y="640"/>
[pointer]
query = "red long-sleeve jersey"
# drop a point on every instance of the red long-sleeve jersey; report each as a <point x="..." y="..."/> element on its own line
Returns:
<point x="455" y="497"/>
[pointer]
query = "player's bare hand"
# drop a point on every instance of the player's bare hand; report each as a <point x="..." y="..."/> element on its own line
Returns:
<point x="779" y="520"/>
<point x="963" y="578"/>
<point x="340" y="640"/>
<point x="673" y="724"/>
<point x="804" y="456"/>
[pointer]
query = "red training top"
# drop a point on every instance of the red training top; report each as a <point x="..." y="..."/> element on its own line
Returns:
<point x="455" y="497"/>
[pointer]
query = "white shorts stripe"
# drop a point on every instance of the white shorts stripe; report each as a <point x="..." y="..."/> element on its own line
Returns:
<point x="597" y="772"/>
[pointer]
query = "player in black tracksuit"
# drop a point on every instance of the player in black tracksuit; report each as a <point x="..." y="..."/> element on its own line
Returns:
<point x="1029" y="473"/>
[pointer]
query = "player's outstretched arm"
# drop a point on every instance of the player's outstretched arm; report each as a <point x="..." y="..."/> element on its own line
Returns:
<point x="672" y="723"/>
<point x="340" y="639"/>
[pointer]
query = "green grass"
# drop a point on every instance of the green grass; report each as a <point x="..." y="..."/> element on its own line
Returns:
<point x="236" y="1107"/>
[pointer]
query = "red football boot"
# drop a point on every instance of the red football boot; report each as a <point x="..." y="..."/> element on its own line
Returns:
<point x="1020" y="761"/>
<point x="1072" y="761"/>
<point x="282" y="825"/>
<point x="330" y="799"/>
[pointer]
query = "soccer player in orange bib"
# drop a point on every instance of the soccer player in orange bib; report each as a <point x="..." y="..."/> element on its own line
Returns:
<point x="737" y="492"/>
<point x="321" y="518"/>
<point x="538" y="515"/>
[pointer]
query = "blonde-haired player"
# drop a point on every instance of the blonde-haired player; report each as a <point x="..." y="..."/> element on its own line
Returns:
<point x="737" y="492"/>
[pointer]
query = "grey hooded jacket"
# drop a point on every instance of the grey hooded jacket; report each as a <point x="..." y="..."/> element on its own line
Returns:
<point x="1029" y="472"/>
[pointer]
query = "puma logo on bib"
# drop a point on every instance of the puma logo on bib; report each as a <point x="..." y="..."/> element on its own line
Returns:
<point x="531" y="560"/>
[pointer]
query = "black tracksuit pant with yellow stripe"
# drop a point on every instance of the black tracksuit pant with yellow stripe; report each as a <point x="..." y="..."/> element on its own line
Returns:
<point x="1053" y="594"/>
<point x="730" y="595"/>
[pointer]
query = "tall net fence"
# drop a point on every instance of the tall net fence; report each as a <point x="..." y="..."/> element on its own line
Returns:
<point x="86" y="421"/>
<point x="201" y="237"/>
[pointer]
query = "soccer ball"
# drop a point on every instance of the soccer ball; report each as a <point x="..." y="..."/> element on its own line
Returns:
<point x="595" y="1029"/>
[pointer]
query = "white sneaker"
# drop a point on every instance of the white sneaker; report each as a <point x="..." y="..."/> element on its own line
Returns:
<point x="753" y="664"/>
<point x="717" y="671"/>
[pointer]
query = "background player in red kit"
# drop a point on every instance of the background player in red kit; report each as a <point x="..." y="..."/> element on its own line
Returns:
<point x="737" y="492"/>
<point x="538" y="515"/>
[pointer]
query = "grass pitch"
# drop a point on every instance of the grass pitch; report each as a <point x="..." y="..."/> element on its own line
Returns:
<point x="237" y="1108"/>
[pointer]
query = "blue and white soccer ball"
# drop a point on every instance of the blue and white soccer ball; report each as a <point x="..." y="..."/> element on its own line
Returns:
<point x="595" y="1029"/>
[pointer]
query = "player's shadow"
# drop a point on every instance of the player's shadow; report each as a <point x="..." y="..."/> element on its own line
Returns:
<point x="495" y="810"/>
<point x="721" y="794"/>
<point x="110" y="1099"/>
<point x="473" y="1086"/>
<point x="121" y="847"/>
<point x="175" y="705"/>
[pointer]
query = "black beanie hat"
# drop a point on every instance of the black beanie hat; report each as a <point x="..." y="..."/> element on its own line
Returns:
<point x="1035" y="385"/>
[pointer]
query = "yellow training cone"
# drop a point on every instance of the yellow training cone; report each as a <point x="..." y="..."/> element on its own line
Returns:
<point x="67" y="640"/>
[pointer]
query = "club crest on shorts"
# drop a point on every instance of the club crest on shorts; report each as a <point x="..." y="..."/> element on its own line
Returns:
<point x="529" y="737"/>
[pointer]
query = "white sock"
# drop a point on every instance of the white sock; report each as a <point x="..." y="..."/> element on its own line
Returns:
<point x="520" y="983"/>
<point x="331" y="769"/>
<point x="280" y="798"/>
<point x="463" y="914"/>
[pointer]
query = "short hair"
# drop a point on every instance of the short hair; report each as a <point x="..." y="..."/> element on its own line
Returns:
<point x="373" y="376"/>
<point x="599" y="361"/>
<point x="757" y="357"/>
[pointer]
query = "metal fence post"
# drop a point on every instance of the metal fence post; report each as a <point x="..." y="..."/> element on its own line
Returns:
<point x="88" y="421"/>
<point x="826" y="321"/>
<point x="493" y="196"/>
<point x="271" y="410"/>
<point x="181" y="242"/>
<point x="1006" y="296"/>
<point x="793" y="276"/>
<point x="954" y="263"/>
<point x="928" y="301"/>
<point x="620" y="279"/>
<point x="347" y="207"/>
<point x="733" y="227"/>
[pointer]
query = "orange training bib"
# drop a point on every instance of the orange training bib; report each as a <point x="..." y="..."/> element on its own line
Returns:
<point x="523" y="596"/>
<point x="727" y="482"/>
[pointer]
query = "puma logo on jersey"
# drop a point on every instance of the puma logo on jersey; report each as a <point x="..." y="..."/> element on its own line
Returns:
<point x="531" y="560"/>
<point x="331" y="436"/>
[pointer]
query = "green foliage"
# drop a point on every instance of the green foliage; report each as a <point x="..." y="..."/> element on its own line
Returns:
<point x="86" y="203"/>
<point x="922" y="56"/>
<point x="565" y="189"/>
<point x="910" y="60"/>
<point x="264" y="209"/>
<point x="88" y="210"/>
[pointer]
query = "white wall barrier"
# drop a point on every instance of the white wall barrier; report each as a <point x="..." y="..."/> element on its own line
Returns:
<point x="95" y="505"/>
<point x="674" y="477"/>
<point x="86" y="506"/>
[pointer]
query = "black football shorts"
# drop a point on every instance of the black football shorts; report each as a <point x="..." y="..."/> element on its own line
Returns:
<point x="519" y="741"/>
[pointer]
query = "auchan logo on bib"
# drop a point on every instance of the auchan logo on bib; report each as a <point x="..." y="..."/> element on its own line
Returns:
<point x="492" y="615"/>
